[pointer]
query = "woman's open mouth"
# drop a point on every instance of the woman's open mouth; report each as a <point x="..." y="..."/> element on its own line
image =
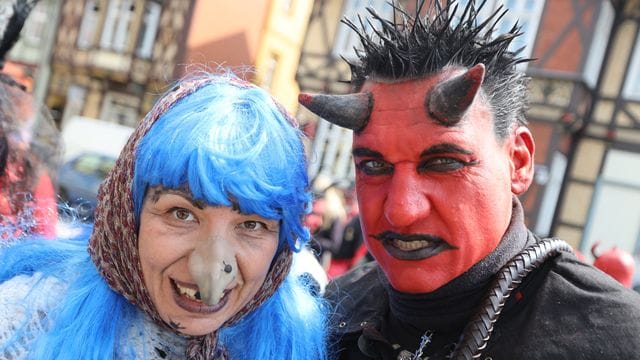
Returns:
<point x="187" y="296"/>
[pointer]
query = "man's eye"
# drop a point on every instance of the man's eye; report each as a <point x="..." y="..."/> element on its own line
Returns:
<point x="443" y="164"/>
<point x="375" y="167"/>
<point x="182" y="214"/>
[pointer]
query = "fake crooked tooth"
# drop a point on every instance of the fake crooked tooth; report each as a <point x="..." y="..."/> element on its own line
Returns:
<point x="410" y="245"/>
<point x="192" y="294"/>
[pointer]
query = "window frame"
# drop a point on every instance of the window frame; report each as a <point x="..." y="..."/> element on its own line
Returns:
<point x="148" y="29"/>
<point x="346" y="39"/>
<point x="528" y="20"/>
<point x="631" y="88"/>
<point x="89" y="25"/>
<point x="116" y="28"/>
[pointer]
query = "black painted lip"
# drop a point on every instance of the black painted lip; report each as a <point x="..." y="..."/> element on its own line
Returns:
<point x="435" y="247"/>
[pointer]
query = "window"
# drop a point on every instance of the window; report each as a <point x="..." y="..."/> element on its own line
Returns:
<point x="614" y="214"/>
<point x="120" y="109"/>
<point x="149" y="29"/>
<point x="115" y="33"/>
<point x="331" y="152"/>
<point x="599" y="44"/>
<point x="631" y="89"/>
<point x="526" y="12"/>
<point x="553" y="185"/>
<point x="76" y="96"/>
<point x="346" y="38"/>
<point x="88" y="28"/>
<point x="35" y="28"/>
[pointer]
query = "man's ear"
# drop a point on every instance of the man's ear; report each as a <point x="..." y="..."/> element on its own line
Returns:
<point x="522" y="160"/>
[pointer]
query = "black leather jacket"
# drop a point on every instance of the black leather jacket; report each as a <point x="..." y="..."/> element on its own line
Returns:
<point x="563" y="310"/>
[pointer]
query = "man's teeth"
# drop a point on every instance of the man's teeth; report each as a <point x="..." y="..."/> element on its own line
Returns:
<point x="410" y="245"/>
<point x="193" y="294"/>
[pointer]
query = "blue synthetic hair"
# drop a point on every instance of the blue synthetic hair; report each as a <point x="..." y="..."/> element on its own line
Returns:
<point x="87" y="322"/>
<point x="229" y="145"/>
<point x="242" y="151"/>
<point x="289" y="325"/>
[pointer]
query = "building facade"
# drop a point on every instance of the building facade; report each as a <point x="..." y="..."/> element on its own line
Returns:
<point x="585" y="106"/>
<point x="112" y="58"/>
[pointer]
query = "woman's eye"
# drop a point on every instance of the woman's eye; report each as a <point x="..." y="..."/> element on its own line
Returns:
<point x="375" y="167"/>
<point x="253" y="225"/>
<point x="182" y="214"/>
<point x="443" y="164"/>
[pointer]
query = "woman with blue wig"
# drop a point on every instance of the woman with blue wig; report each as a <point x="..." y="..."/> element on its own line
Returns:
<point x="190" y="250"/>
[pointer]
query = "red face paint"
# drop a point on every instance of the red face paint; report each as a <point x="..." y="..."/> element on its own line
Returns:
<point x="434" y="200"/>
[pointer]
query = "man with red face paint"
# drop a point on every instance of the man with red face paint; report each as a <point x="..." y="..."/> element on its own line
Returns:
<point x="442" y="151"/>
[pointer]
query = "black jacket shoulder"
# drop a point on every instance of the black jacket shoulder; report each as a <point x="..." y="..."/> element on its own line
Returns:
<point x="568" y="310"/>
<point x="357" y="299"/>
<point x="565" y="309"/>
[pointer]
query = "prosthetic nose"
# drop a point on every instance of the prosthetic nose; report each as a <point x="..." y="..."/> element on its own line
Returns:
<point x="213" y="266"/>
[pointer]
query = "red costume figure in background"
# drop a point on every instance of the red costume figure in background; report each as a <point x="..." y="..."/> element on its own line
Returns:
<point x="29" y="146"/>
<point x="442" y="151"/>
<point x="617" y="263"/>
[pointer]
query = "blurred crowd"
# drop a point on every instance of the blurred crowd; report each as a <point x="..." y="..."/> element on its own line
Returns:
<point x="334" y="223"/>
<point x="29" y="154"/>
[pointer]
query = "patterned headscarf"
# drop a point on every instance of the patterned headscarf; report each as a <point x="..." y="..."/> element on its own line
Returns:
<point x="114" y="242"/>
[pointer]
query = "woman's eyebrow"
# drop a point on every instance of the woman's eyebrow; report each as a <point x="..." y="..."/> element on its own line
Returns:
<point x="182" y="193"/>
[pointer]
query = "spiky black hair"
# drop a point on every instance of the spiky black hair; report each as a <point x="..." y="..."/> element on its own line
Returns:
<point x="417" y="46"/>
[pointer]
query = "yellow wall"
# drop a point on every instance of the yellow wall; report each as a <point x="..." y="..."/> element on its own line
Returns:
<point x="279" y="51"/>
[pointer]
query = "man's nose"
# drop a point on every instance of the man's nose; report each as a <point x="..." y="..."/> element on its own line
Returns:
<point x="406" y="200"/>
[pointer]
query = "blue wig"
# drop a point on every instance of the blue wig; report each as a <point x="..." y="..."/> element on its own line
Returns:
<point x="90" y="317"/>
<point x="229" y="144"/>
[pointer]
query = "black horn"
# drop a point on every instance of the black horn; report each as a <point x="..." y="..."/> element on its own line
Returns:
<point x="449" y="100"/>
<point x="350" y="111"/>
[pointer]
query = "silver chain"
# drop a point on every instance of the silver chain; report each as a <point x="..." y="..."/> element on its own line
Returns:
<point x="424" y="340"/>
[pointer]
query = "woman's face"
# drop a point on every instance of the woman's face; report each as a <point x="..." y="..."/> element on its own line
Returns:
<point x="201" y="263"/>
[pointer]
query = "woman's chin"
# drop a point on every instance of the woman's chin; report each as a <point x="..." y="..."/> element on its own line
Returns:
<point x="199" y="327"/>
